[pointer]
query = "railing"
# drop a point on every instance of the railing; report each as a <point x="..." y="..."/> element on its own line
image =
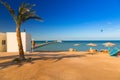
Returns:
<point x="43" y="44"/>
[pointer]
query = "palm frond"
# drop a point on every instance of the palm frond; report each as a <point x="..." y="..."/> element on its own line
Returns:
<point x="25" y="13"/>
<point x="21" y="9"/>
<point x="29" y="6"/>
<point x="24" y="8"/>
<point x="31" y="16"/>
<point x="12" y="12"/>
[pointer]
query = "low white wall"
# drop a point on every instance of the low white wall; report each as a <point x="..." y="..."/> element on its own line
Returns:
<point x="12" y="45"/>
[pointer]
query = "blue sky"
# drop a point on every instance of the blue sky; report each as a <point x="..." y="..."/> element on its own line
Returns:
<point x="68" y="19"/>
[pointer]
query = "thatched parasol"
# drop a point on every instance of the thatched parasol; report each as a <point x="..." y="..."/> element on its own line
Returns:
<point x="92" y="44"/>
<point x="109" y="44"/>
<point x="76" y="44"/>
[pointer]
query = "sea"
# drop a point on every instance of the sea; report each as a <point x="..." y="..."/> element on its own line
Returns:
<point x="66" y="45"/>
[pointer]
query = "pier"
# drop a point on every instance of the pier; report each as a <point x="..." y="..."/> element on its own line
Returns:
<point x="43" y="44"/>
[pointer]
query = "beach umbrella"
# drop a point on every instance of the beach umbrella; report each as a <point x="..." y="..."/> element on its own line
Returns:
<point x="91" y="44"/>
<point x="108" y="44"/>
<point x="76" y="44"/>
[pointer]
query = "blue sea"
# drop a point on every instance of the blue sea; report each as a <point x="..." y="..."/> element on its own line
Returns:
<point x="65" y="45"/>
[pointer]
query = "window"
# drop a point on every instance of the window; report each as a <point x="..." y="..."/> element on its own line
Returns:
<point x="3" y="42"/>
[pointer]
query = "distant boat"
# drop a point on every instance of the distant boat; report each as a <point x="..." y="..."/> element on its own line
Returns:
<point x="76" y="44"/>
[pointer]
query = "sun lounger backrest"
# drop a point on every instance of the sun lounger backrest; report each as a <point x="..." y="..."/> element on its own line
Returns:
<point x="114" y="51"/>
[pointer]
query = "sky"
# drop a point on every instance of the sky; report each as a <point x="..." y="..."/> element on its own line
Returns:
<point x="68" y="19"/>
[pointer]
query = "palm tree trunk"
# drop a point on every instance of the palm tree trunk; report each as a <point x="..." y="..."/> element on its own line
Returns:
<point x="19" y="40"/>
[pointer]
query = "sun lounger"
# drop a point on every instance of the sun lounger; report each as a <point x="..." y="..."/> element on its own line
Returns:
<point x="114" y="52"/>
<point x="92" y="51"/>
<point x="104" y="51"/>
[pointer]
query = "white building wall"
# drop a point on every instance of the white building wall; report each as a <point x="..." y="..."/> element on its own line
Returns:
<point x="12" y="45"/>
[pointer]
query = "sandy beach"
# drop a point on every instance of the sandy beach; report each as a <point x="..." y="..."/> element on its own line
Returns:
<point x="60" y="66"/>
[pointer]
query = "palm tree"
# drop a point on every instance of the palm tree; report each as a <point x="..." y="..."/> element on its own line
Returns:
<point x="24" y="13"/>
